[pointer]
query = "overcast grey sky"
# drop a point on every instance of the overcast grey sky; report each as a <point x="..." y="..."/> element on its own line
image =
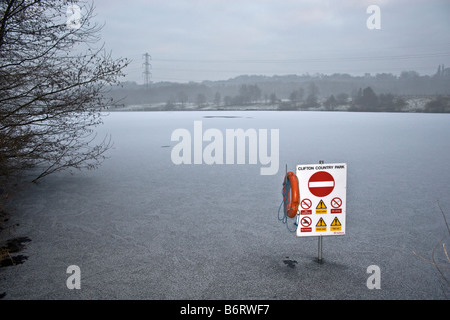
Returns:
<point x="195" y="40"/>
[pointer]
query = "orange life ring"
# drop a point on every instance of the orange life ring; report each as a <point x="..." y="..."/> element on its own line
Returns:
<point x="291" y="196"/>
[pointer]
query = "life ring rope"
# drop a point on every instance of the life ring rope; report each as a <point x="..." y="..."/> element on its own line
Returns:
<point x="291" y="194"/>
<point x="291" y="199"/>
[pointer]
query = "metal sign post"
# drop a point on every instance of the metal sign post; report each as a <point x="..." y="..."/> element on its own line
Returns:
<point x="319" y="255"/>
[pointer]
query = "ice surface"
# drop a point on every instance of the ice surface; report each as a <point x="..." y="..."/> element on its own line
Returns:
<point x="141" y="227"/>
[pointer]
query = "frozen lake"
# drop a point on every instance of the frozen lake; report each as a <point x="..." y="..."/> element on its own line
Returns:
<point x="141" y="227"/>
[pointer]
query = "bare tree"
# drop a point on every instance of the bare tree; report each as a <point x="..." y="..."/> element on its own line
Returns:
<point x="52" y="85"/>
<point x="312" y="98"/>
<point x="217" y="99"/>
<point x="201" y="100"/>
<point x="182" y="97"/>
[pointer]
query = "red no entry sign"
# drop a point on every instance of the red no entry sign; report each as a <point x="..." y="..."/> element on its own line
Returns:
<point x="321" y="184"/>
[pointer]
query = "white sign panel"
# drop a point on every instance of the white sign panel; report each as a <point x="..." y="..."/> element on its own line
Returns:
<point x="323" y="189"/>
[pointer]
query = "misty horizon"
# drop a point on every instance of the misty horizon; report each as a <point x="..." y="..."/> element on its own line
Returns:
<point x="296" y="75"/>
<point x="215" y="40"/>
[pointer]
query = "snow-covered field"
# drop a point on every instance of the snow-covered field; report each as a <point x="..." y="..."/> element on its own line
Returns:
<point x="141" y="227"/>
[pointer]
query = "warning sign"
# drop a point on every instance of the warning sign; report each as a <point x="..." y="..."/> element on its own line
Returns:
<point x="306" y="204"/>
<point x="305" y="223"/>
<point x="323" y="189"/>
<point x="321" y="226"/>
<point x="336" y="203"/>
<point x="335" y="225"/>
<point x="321" y="208"/>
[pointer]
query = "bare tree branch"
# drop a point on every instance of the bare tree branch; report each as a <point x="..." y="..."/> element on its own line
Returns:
<point x="51" y="94"/>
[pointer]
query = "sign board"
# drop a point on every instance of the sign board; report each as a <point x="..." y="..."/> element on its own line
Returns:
<point x="323" y="190"/>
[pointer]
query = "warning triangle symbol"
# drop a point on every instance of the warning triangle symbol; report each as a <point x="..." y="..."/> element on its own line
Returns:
<point x="336" y="222"/>
<point x="321" y="205"/>
<point x="321" y="223"/>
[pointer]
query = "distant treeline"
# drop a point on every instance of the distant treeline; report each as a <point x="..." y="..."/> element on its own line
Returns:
<point x="380" y="92"/>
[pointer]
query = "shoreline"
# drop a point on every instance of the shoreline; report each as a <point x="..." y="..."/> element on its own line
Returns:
<point x="413" y="105"/>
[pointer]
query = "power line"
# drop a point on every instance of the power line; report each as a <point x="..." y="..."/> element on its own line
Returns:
<point x="315" y="59"/>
